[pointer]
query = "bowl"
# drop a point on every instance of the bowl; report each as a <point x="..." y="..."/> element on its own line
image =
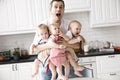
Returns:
<point x="117" y="48"/>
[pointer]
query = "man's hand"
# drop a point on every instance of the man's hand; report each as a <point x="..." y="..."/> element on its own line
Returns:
<point x="62" y="46"/>
<point x="79" y="39"/>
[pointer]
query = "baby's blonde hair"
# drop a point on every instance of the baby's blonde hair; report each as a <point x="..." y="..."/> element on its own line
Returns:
<point x="42" y="26"/>
<point x="74" y="21"/>
<point x="51" y="25"/>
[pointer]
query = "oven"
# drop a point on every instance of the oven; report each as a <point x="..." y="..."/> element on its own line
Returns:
<point x="90" y="66"/>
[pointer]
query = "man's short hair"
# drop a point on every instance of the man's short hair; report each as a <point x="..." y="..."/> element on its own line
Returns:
<point x="57" y="1"/>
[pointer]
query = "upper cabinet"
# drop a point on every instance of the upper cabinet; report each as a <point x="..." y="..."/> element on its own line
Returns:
<point x="22" y="16"/>
<point x="77" y="5"/>
<point x="41" y="10"/>
<point x="105" y="13"/>
<point x="7" y="17"/>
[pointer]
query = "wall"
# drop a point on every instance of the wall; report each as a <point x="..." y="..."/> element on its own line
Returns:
<point x="102" y="34"/>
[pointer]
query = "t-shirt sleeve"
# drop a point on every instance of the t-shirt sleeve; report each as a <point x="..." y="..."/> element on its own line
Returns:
<point x="36" y="39"/>
<point x="69" y="34"/>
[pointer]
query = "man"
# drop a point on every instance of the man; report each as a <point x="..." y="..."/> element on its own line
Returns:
<point x="56" y="13"/>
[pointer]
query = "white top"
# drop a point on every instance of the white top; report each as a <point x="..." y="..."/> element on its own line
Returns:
<point x="64" y="27"/>
<point x="69" y="34"/>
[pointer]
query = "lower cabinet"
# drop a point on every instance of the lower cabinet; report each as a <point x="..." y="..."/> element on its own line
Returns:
<point x="17" y="71"/>
<point x="108" y="67"/>
<point x="6" y="72"/>
<point x="109" y="76"/>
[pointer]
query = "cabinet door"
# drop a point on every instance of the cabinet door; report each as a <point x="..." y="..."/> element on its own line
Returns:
<point x="25" y="71"/>
<point x="7" y="18"/>
<point x="77" y="5"/>
<point x="17" y="16"/>
<point x="6" y="72"/>
<point x="105" y="13"/>
<point x="107" y="64"/>
<point x="41" y="10"/>
<point x="24" y="14"/>
<point x="110" y="76"/>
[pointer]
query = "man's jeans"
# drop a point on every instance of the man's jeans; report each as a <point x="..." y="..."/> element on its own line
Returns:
<point x="47" y="76"/>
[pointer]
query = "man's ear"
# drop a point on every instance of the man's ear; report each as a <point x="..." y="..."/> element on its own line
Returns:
<point x="50" y="9"/>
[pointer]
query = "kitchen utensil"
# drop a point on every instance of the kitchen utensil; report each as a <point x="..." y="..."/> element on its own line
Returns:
<point x="24" y="53"/>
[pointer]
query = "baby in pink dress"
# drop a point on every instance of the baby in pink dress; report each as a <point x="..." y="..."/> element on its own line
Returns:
<point x="57" y="53"/>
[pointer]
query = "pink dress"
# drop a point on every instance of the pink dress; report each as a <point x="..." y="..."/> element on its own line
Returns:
<point x="57" y="55"/>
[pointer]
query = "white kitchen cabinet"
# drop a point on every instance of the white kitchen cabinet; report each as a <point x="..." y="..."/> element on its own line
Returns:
<point x="7" y="17"/>
<point x="108" y="67"/>
<point x="16" y="16"/>
<point x="18" y="71"/>
<point x="6" y="72"/>
<point x="24" y="14"/>
<point x="105" y="13"/>
<point x="41" y="10"/>
<point x="110" y="76"/>
<point x="77" y="5"/>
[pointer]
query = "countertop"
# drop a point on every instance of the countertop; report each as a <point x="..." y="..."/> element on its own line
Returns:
<point x="31" y="58"/>
<point x="85" y="79"/>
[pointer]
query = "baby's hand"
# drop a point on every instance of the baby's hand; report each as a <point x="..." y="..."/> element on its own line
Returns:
<point x="61" y="34"/>
<point x="79" y="39"/>
<point x="62" y="46"/>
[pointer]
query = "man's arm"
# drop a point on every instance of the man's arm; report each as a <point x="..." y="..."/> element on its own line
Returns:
<point x="74" y="46"/>
<point x="53" y="44"/>
<point x="37" y="47"/>
<point x="64" y="36"/>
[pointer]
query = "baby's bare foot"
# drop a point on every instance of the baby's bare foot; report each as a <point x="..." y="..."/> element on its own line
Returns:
<point x="53" y="78"/>
<point x="78" y="74"/>
<point x="64" y="77"/>
<point x="33" y="75"/>
<point x="79" y="68"/>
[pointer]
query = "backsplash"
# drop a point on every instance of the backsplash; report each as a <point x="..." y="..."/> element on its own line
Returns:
<point x="24" y="41"/>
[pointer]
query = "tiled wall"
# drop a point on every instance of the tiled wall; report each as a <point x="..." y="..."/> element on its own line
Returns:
<point x="23" y="41"/>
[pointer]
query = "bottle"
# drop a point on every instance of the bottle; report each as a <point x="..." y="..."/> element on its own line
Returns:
<point x="16" y="54"/>
<point x="86" y="48"/>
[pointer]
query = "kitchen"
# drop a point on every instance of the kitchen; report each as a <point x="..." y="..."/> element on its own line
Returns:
<point x="22" y="35"/>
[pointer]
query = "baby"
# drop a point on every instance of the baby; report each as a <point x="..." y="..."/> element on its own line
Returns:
<point x="43" y="33"/>
<point x="58" y="52"/>
<point x="75" y="37"/>
<point x="56" y="34"/>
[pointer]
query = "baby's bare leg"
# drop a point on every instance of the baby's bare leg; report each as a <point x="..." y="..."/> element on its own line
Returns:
<point x="53" y="71"/>
<point x="36" y="67"/>
<point x="73" y="63"/>
<point x="59" y="70"/>
<point x="67" y="68"/>
<point x="60" y="74"/>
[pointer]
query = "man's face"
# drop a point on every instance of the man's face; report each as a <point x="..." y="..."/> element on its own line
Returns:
<point x="57" y="10"/>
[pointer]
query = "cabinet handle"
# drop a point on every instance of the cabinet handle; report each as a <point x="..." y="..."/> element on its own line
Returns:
<point x="87" y="65"/>
<point x="112" y="74"/>
<point x="13" y="68"/>
<point x="16" y="67"/>
<point x="111" y="56"/>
